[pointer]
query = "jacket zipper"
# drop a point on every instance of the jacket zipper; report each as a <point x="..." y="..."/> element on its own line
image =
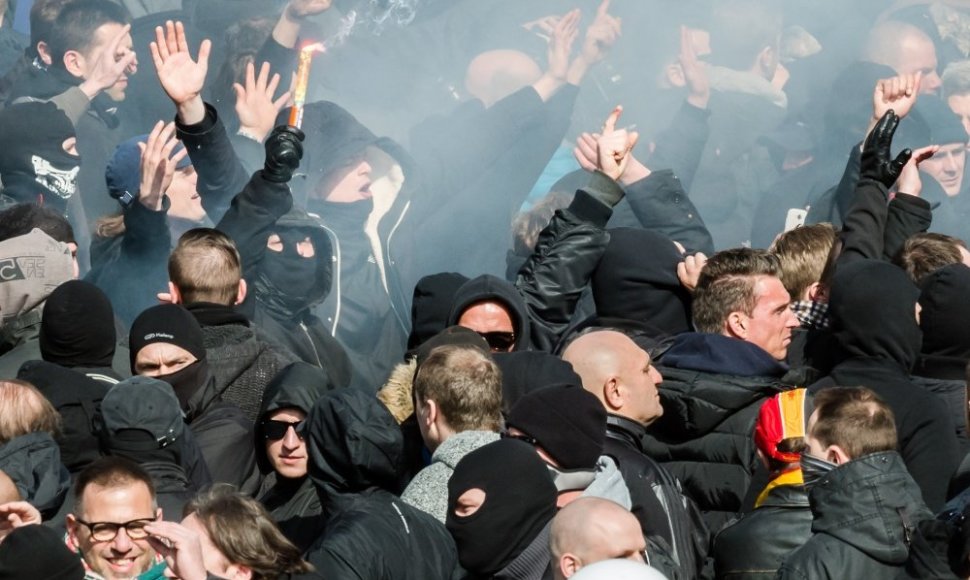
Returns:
<point x="313" y="346"/>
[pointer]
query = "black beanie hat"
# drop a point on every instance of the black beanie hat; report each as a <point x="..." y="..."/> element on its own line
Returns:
<point x="78" y="326"/>
<point x="169" y="323"/>
<point x="527" y="371"/>
<point x="451" y="336"/>
<point x="567" y="421"/>
<point x="36" y="551"/>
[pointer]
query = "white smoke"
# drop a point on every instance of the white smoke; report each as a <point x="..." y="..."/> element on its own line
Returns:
<point x="374" y="17"/>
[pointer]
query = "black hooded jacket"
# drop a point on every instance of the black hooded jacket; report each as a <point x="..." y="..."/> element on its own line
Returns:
<point x="294" y="504"/>
<point x="258" y="207"/>
<point x="33" y="462"/>
<point x="356" y="458"/>
<point x="878" y="332"/>
<point x="488" y="287"/>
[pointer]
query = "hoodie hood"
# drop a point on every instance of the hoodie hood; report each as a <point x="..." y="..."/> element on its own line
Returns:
<point x="945" y="322"/>
<point x="78" y="326"/>
<point x="636" y="279"/>
<point x="297" y="386"/>
<point x="431" y="305"/>
<point x="488" y="287"/>
<point x="355" y="445"/>
<point x="881" y="323"/>
<point x="871" y="504"/>
<point x="35" y="264"/>
<point x="33" y="462"/>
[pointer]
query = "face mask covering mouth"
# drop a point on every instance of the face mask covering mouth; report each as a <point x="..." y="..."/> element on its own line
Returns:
<point x="292" y="274"/>
<point x="814" y="469"/>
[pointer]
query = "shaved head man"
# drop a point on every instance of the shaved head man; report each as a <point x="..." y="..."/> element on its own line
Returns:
<point x="590" y="530"/>
<point x="619" y="373"/>
<point x="905" y="48"/>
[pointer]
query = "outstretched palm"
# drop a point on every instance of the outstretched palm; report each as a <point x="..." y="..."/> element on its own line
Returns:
<point x="181" y="77"/>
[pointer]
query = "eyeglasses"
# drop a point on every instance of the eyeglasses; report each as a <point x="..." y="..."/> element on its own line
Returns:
<point x="108" y="531"/>
<point x="499" y="341"/>
<point x="276" y="430"/>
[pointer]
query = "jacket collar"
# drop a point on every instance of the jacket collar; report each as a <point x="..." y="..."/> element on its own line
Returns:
<point x="623" y="429"/>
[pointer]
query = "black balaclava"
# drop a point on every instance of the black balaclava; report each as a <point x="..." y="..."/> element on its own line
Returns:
<point x="636" y="279"/>
<point x="34" y="166"/>
<point x="172" y="324"/>
<point x="873" y="307"/>
<point x="514" y="512"/>
<point x="288" y="271"/>
<point x="77" y="328"/>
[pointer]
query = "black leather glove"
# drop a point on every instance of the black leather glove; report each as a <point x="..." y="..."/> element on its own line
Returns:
<point x="284" y="149"/>
<point x="877" y="162"/>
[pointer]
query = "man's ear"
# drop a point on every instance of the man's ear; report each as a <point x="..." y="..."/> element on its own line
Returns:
<point x="818" y="292"/>
<point x="158" y="514"/>
<point x="736" y="325"/>
<point x="613" y="394"/>
<point x="241" y="292"/>
<point x="74" y="63"/>
<point x="71" y="524"/>
<point x="43" y="51"/>
<point x="569" y="565"/>
<point x="239" y="572"/>
<point x="174" y="293"/>
<point x="837" y="455"/>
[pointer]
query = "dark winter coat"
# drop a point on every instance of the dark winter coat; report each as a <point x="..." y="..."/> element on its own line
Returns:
<point x="356" y="459"/>
<point x="864" y="513"/>
<point x="33" y="462"/>
<point x="669" y="520"/>
<point x="712" y="390"/>
<point x="881" y="340"/>
<point x="754" y="547"/>
<point x="241" y="361"/>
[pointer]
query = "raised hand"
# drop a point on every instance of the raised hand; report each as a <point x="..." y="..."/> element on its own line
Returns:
<point x="180" y="547"/>
<point x="689" y="271"/>
<point x="255" y="105"/>
<point x="877" y="162"/>
<point x="16" y="514"/>
<point x="284" y="150"/>
<point x="181" y="77"/>
<point x="561" y="44"/>
<point x="588" y="147"/>
<point x="909" y="181"/>
<point x="158" y="164"/>
<point x="600" y="37"/>
<point x="898" y="93"/>
<point x="695" y="72"/>
<point x="300" y="9"/>
<point x="111" y="65"/>
<point x="614" y="146"/>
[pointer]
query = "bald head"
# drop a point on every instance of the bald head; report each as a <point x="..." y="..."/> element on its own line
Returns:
<point x="591" y="529"/>
<point x="618" y="372"/>
<point x="906" y="49"/>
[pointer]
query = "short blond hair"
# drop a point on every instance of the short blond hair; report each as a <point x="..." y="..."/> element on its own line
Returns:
<point x="803" y="253"/>
<point x="23" y="410"/>
<point x="465" y="383"/>
<point x="205" y="267"/>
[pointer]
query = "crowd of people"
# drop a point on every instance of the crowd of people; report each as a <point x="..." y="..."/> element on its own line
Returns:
<point x="631" y="291"/>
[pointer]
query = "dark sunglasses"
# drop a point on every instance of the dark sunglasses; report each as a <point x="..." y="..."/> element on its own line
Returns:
<point x="498" y="340"/>
<point x="276" y="430"/>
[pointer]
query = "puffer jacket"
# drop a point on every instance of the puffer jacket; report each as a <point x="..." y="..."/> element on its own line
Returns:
<point x="293" y="503"/>
<point x="428" y="491"/>
<point x="754" y="547"/>
<point x="356" y="458"/>
<point x="865" y="513"/>
<point x="712" y="390"/>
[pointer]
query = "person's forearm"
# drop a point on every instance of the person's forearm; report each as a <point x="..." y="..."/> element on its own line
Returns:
<point x="192" y="111"/>
<point x="287" y="29"/>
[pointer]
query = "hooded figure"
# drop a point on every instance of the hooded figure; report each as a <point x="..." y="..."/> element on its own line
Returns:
<point x="431" y="305"/>
<point x="38" y="552"/>
<point x="78" y="332"/>
<point x="512" y="520"/>
<point x="140" y="419"/>
<point x="942" y="363"/>
<point x="41" y="164"/>
<point x="880" y="337"/>
<point x="34" y="265"/>
<point x="223" y="433"/>
<point x="33" y="462"/>
<point x="492" y="288"/>
<point x="637" y="280"/>
<point x="356" y="458"/>
<point x="293" y="502"/>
